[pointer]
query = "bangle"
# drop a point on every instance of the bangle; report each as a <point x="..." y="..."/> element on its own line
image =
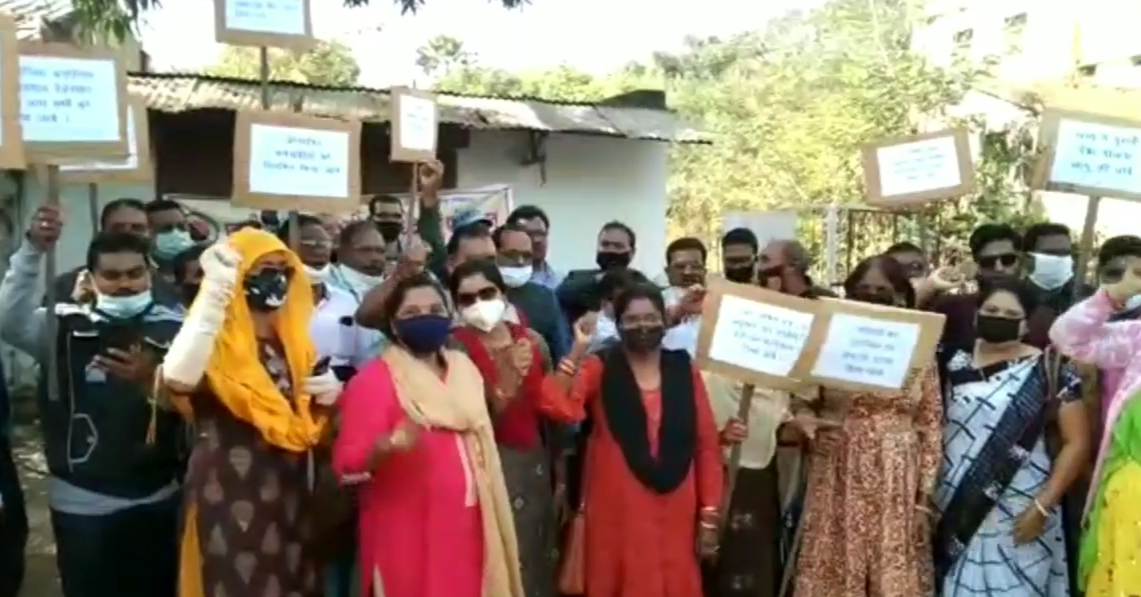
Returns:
<point x="709" y="526"/>
<point x="1041" y="509"/>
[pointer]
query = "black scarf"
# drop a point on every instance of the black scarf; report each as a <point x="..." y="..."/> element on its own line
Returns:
<point x="626" y="417"/>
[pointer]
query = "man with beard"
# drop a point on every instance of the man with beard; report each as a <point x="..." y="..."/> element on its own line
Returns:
<point x="112" y="453"/>
<point x="1049" y="254"/>
<point x="387" y="214"/>
<point x="538" y="225"/>
<point x="578" y="293"/>
<point x="739" y="249"/>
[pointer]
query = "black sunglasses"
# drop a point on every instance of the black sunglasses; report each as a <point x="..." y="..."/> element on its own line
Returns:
<point x="992" y="261"/>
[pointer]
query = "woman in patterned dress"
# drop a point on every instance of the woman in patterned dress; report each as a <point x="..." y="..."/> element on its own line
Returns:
<point x="1000" y="529"/>
<point x="508" y="357"/>
<point x="241" y="368"/>
<point x="866" y="516"/>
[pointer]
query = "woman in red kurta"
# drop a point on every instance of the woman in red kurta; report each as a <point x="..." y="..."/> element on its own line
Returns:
<point x="652" y="479"/>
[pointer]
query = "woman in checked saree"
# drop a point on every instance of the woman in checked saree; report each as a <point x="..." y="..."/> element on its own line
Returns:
<point x="1000" y="530"/>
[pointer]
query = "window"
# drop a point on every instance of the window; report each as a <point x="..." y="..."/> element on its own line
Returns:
<point x="963" y="43"/>
<point x="1012" y="29"/>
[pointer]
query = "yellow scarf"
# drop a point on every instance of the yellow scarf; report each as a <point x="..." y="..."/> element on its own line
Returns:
<point x="235" y="372"/>
<point x="457" y="404"/>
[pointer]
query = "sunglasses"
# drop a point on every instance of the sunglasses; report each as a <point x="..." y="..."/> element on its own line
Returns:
<point x="467" y="299"/>
<point x="992" y="261"/>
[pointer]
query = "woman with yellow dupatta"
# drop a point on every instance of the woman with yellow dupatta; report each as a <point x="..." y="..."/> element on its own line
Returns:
<point x="241" y="369"/>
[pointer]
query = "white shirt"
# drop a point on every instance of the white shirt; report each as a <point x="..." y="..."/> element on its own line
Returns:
<point x="344" y="344"/>
<point x="682" y="336"/>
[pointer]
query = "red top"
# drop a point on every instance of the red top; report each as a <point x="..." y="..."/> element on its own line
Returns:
<point x="517" y="425"/>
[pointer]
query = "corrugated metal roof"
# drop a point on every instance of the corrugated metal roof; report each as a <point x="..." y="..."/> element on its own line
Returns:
<point x="184" y="92"/>
<point x="30" y="15"/>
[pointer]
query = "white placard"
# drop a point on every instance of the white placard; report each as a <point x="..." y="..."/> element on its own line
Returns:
<point x="130" y="163"/>
<point x="299" y="162"/>
<point x="758" y="336"/>
<point x="266" y="16"/>
<point x="918" y="166"/>
<point x="417" y="123"/>
<point x="68" y="100"/>
<point x="1091" y="154"/>
<point x="865" y="350"/>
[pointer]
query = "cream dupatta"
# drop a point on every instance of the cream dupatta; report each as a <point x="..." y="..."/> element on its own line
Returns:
<point x="458" y="404"/>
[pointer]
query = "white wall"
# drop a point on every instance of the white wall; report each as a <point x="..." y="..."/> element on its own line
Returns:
<point x="591" y="180"/>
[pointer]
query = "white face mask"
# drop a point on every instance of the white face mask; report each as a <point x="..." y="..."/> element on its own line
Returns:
<point x="1051" y="271"/>
<point x="485" y="315"/>
<point x="606" y="328"/>
<point x="123" y="307"/>
<point x="516" y="276"/>
<point x="360" y="282"/>
<point x="318" y="276"/>
<point x="1132" y="303"/>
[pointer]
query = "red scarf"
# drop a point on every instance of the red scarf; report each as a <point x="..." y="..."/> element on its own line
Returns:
<point x="517" y="425"/>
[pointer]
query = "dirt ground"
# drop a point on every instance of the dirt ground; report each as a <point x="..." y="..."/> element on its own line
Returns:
<point x="41" y="579"/>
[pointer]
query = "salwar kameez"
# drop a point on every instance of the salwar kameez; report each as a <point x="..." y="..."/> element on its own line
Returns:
<point x="862" y="526"/>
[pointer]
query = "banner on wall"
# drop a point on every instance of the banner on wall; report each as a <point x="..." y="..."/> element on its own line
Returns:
<point x="494" y="202"/>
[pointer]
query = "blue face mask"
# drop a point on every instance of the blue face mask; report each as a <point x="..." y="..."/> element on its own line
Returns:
<point x="423" y="334"/>
<point x="123" y="307"/>
<point x="171" y="243"/>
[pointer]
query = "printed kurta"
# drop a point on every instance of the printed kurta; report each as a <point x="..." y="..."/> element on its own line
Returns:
<point x="860" y="515"/>
<point x="420" y="531"/>
<point x="638" y="543"/>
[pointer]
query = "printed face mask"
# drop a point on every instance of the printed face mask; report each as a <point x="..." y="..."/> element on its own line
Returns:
<point x="266" y="291"/>
<point x="516" y="276"/>
<point x="1051" y="271"/>
<point x="485" y="315"/>
<point x="123" y="307"/>
<point x="171" y="243"/>
<point x="642" y="338"/>
<point x="998" y="330"/>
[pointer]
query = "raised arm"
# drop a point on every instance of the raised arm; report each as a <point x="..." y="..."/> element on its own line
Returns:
<point x="929" y="429"/>
<point x="23" y="323"/>
<point x="1084" y="333"/>
<point x="190" y="352"/>
<point x="575" y="380"/>
<point x="370" y="312"/>
<point x="707" y="457"/>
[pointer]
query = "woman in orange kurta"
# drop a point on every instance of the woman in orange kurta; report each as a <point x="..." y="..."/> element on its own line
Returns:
<point x="652" y="479"/>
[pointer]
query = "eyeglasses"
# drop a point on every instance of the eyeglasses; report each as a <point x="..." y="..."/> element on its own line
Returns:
<point x="467" y="299"/>
<point x="992" y="261"/>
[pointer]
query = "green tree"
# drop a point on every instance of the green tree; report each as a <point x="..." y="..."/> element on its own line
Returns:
<point x="326" y="64"/>
<point x="442" y="55"/>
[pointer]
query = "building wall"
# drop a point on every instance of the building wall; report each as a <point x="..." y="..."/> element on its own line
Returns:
<point x="590" y="180"/>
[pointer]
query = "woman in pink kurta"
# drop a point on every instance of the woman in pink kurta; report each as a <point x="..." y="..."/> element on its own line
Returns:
<point x="434" y="519"/>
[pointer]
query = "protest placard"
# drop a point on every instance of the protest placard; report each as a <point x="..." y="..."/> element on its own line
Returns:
<point x="73" y="103"/>
<point x="1090" y="154"/>
<point x="413" y="119"/>
<point x="11" y="139"/>
<point x="136" y="167"/>
<point x="294" y="162"/>
<point x="754" y="335"/>
<point x="918" y="169"/>
<point x="266" y="23"/>
<point x="864" y="347"/>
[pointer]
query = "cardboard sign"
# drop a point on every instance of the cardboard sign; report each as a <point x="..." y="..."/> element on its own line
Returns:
<point x="11" y="139"/>
<point x="1090" y="154"/>
<point x="264" y="23"/>
<point x="414" y="121"/>
<point x="864" y="347"/>
<point x="918" y="169"/>
<point x="294" y="162"/>
<point x="136" y="167"/>
<point x="73" y="103"/>
<point x="755" y="335"/>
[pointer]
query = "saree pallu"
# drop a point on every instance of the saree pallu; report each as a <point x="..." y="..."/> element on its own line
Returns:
<point x="529" y="486"/>
<point x="995" y="463"/>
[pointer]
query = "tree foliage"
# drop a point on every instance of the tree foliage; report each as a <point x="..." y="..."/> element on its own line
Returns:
<point x="789" y="107"/>
<point x="326" y="64"/>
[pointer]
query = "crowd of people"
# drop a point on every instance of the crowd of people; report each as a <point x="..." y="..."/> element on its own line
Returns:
<point x="374" y="412"/>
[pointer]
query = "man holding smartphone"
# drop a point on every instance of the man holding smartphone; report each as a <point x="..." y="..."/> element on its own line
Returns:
<point x="112" y="454"/>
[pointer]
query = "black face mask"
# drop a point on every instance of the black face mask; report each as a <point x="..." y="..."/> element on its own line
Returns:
<point x="739" y="274"/>
<point x="608" y="261"/>
<point x="390" y="231"/>
<point x="189" y="291"/>
<point x="998" y="330"/>
<point x="642" y="338"/>
<point x="875" y="298"/>
<point x="266" y="291"/>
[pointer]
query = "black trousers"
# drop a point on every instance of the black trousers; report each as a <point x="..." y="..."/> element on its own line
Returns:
<point x="129" y="553"/>
<point x="13" y="524"/>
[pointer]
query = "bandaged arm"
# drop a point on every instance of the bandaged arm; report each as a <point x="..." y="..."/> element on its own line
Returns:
<point x="190" y="352"/>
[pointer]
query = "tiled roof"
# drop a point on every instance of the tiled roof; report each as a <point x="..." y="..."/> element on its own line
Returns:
<point x="184" y="92"/>
<point x="30" y="15"/>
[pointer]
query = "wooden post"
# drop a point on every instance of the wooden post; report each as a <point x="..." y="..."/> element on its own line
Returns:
<point x="263" y="76"/>
<point x="93" y="206"/>
<point x="413" y="206"/>
<point x="51" y="198"/>
<point x="1085" y="247"/>
<point x="743" y="409"/>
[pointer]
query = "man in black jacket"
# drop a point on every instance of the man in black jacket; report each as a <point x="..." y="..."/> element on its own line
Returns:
<point x="578" y="293"/>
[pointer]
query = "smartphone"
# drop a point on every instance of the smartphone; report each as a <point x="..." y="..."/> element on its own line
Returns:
<point x="119" y="336"/>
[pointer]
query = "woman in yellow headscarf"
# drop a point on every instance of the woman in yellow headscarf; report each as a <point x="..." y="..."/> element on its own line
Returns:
<point x="242" y="369"/>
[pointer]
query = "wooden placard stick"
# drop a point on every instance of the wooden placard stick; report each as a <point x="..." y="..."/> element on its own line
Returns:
<point x="1085" y="247"/>
<point x="743" y="408"/>
<point x="51" y="198"/>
